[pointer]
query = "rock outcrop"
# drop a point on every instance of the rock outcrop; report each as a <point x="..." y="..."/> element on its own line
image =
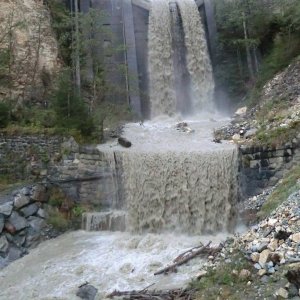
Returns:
<point x="27" y="35"/>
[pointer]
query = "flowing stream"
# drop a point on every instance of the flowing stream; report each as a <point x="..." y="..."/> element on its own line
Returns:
<point x="109" y="261"/>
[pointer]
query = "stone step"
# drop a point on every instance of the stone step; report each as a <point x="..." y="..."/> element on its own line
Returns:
<point x="114" y="220"/>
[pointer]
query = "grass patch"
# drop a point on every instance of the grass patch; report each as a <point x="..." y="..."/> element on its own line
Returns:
<point x="58" y="220"/>
<point x="221" y="282"/>
<point x="8" y="183"/>
<point x="287" y="186"/>
<point x="277" y="136"/>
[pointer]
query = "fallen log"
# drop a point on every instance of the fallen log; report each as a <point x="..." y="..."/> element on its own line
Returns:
<point x="178" y="294"/>
<point x="124" y="142"/>
<point x="184" y="260"/>
<point x="180" y="256"/>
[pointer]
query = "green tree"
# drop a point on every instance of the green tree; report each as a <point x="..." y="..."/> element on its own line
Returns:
<point x="70" y="109"/>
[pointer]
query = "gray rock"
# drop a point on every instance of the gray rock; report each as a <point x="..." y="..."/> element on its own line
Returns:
<point x="87" y="292"/>
<point x="1" y="222"/>
<point x="271" y="270"/>
<point x="6" y="208"/>
<point x="25" y="191"/>
<point x="14" y="253"/>
<point x="3" y="244"/>
<point x="21" y="200"/>
<point x="39" y="194"/>
<point x="3" y="262"/>
<point x="42" y="213"/>
<point x="29" y="210"/>
<point x="250" y="133"/>
<point x="18" y="240"/>
<point x="17" y="221"/>
<point x="265" y="279"/>
<point x="293" y="291"/>
<point x="261" y="247"/>
<point x="36" y="224"/>
<point x="34" y="231"/>
<point x="257" y="266"/>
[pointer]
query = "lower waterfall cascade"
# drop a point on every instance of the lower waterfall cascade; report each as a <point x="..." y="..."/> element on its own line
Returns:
<point x="174" y="181"/>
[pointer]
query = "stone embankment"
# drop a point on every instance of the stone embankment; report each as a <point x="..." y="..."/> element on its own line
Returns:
<point x="22" y="222"/>
<point x="263" y="166"/>
<point x="81" y="171"/>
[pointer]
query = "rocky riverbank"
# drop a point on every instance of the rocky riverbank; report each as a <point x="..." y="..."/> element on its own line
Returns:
<point x="23" y="222"/>
<point x="263" y="262"/>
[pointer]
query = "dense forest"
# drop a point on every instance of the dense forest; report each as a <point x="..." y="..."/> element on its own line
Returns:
<point x="256" y="39"/>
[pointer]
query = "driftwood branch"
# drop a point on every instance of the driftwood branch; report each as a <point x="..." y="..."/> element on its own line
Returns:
<point x="79" y="179"/>
<point x="144" y="294"/>
<point x="183" y="258"/>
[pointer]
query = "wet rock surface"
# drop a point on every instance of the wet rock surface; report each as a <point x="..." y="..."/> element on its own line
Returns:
<point x="22" y="222"/>
<point x="87" y="292"/>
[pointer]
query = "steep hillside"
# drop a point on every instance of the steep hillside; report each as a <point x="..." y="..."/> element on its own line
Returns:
<point x="28" y="51"/>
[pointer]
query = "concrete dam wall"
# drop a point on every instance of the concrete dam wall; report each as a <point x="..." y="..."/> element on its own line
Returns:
<point x="128" y="22"/>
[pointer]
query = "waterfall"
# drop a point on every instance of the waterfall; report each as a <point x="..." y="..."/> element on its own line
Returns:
<point x="185" y="192"/>
<point x="162" y="95"/>
<point x="174" y="181"/>
<point x="198" y="61"/>
<point x="169" y="95"/>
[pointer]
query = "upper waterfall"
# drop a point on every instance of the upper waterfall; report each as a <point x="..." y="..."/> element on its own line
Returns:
<point x="168" y="95"/>
<point x="161" y="71"/>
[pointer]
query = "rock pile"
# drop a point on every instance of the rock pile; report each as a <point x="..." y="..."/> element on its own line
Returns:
<point x="275" y="242"/>
<point x="22" y="222"/>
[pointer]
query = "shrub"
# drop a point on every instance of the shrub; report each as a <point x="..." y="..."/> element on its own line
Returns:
<point x="58" y="220"/>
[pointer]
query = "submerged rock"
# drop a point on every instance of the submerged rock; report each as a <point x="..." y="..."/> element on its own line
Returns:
<point x="87" y="292"/>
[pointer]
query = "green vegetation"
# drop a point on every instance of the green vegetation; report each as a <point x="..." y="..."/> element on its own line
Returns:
<point x="70" y="109"/>
<point x="257" y="39"/>
<point x="9" y="183"/>
<point x="287" y="186"/>
<point x="65" y="213"/>
<point x="223" y="281"/>
<point x="277" y="136"/>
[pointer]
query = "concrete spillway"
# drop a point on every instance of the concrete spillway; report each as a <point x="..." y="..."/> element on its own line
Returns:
<point x="171" y="180"/>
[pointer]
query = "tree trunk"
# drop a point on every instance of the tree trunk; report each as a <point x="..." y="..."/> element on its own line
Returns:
<point x="248" y="52"/>
<point x="77" y="45"/>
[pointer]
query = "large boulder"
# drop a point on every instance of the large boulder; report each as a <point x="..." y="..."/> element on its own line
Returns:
<point x="17" y="221"/>
<point x="39" y="194"/>
<point x="29" y="210"/>
<point x="87" y="292"/>
<point x="6" y="208"/>
<point x="21" y="200"/>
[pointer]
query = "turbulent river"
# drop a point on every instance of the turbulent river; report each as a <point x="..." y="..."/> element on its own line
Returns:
<point x="106" y="260"/>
